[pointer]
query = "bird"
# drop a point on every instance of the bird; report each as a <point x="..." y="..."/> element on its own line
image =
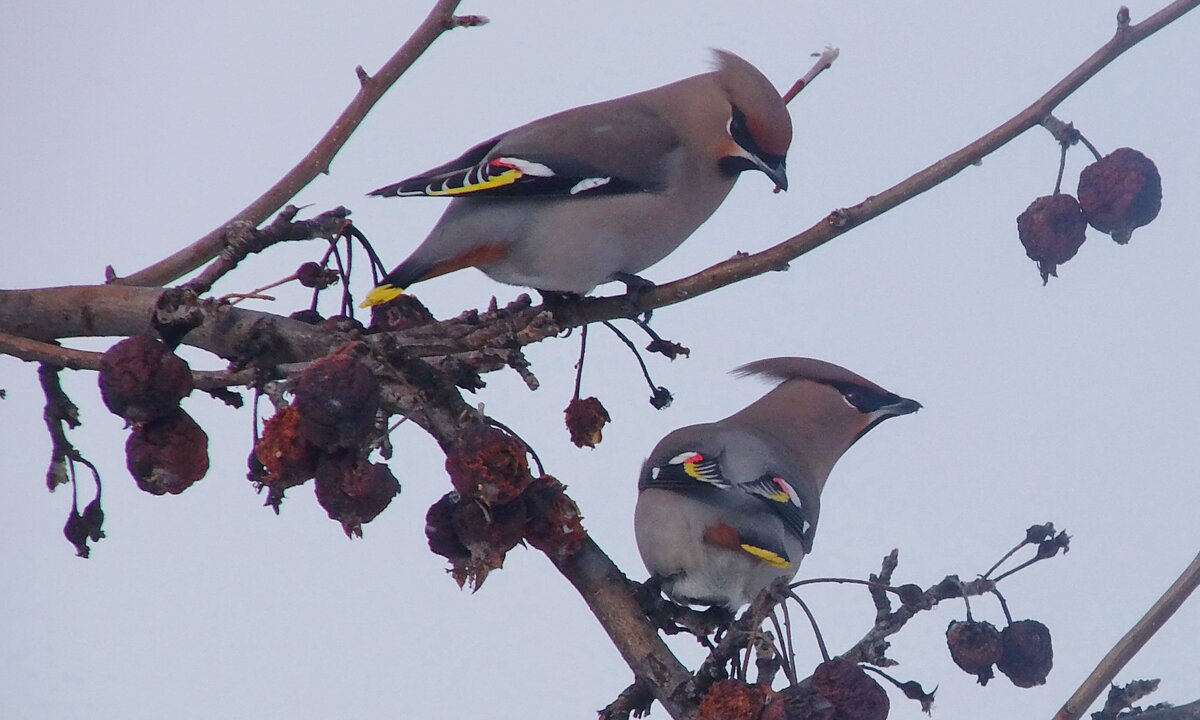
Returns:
<point x="600" y="192"/>
<point x="724" y="508"/>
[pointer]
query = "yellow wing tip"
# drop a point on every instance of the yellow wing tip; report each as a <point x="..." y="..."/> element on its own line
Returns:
<point x="767" y="556"/>
<point x="381" y="294"/>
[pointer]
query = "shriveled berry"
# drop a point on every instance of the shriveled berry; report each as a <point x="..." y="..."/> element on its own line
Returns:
<point x="489" y="464"/>
<point x="354" y="491"/>
<point x="975" y="647"/>
<point x="286" y="456"/>
<point x="553" y="521"/>
<point x="312" y="275"/>
<point x="141" y="379"/>
<point x="1052" y="230"/>
<point x="586" y="418"/>
<point x="400" y="313"/>
<point x="853" y="694"/>
<point x="731" y="700"/>
<point x="337" y="398"/>
<point x="167" y="455"/>
<point x="1028" y="655"/>
<point x="1120" y="192"/>
<point x="440" y="531"/>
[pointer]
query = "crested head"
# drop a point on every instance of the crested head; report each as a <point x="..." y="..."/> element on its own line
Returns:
<point x="801" y="368"/>
<point x="752" y="93"/>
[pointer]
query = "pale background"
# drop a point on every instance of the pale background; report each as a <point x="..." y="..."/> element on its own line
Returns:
<point x="130" y="129"/>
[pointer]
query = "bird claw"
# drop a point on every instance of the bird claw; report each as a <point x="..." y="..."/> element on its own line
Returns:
<point x="635" y="287"/>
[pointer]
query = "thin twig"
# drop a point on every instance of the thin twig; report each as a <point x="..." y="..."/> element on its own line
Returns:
<point x="841" y="221"/>
<point x="1131" y="643"/>
<point x="315" y="162"/>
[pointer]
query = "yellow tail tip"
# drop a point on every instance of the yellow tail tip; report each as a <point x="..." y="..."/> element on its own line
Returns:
<point x="381" y="294"/>
<point x="767" y="556"/>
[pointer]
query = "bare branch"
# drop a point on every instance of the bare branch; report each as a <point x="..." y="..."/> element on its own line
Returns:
<point x="371" y="88"/>
<point x="840" y="221"/>
<point x="1133" y="641"/>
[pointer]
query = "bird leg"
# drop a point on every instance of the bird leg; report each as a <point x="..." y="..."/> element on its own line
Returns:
<point x="673" y="618"/>
<point x="635" y="287"/>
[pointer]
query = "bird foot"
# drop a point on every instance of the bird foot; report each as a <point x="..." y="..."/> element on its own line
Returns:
<point x="635" y="287"/>
<point x="673" y="618"/>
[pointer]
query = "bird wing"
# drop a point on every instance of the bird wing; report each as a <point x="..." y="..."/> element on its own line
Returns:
<point x="594" y="150"/>
<point x="785" y="502"/>
<point x="692" y="470"/>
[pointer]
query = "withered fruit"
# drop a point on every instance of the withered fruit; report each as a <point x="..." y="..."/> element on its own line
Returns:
<point x="1052" y="229"/>
<point x="288" y="458"/>
<point x="731" y="700"/>
<point x="489" y="464"/>
<point x="1028" y="655"/>
<point x="853" y="694"/>
<point x="586" y="418"/>
<point x="400" y="313"/>
<point x="975" y="647"/>
<point x="554" y="524"/>
<point x="167" y="455"/>
<point x="337" y="398"/>
<point x="141" y="379"/>
<point x="1120" y="192"/>
<point x="440" y="530"/>
<point x="354" y="491"/>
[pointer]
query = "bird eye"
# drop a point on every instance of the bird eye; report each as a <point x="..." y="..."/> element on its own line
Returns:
<point x="739" y="132"/>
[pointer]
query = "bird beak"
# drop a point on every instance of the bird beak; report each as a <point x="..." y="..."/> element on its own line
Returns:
<point x="903" y="406"/>
<point x="775" y="167"/>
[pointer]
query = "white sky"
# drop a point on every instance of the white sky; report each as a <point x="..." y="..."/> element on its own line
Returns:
<point x="129" y="129"/>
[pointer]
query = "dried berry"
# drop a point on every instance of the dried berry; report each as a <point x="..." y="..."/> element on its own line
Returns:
<point x="312" y="275"/>
<point x="554" y="524"/>
<point x="731" y="700"/>
<point x="799" y="702"/>
<point x="853" y="694"/>
<point x="1120" y="192"/>
<point x="354" y="491"/>
<point x="1052" y="230"/>
<point x="93" y="519"/>
<point x="440" y="530"/>
<point x="585" y="420"/>
<point x="1028" y="655"/>
<point x="488" y="533"/>
<point x="167" y="455"/>
<point x="974" y="647"/>
<point x="287" y="457"/>
<point x="489" y="464"/>
<point x="400" y="313"/>
<point x="337" y="397"/>
<point x="76" y="532"/>
<point x="473" y="536"/>
<point x="141" y="379"/>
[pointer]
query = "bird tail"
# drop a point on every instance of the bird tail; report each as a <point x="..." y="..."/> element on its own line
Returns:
<point x="394" y="284"/>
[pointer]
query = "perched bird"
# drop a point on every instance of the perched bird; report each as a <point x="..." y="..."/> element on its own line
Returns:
<point x="600" y="192"/>
<point x="726" y="507"/>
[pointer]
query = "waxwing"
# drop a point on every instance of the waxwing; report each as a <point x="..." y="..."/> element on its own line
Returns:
<point x="726" y="507"/>
<point x="600" y="192"/>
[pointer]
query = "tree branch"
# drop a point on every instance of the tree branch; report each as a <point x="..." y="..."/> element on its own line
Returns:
<point x="316" y="161"/>
<point x="1131" y="643"/>
<point x="840" y="221"/>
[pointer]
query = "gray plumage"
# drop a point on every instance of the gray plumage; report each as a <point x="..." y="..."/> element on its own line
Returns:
<point x="567" y="202"/>
<point x="726" y="507"/>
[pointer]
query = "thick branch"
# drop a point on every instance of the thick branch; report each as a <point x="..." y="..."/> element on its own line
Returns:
<point x="316" y="162"/>
<point x="610" y="596"/>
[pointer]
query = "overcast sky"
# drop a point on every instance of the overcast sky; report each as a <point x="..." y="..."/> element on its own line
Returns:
<point x="129" y="129"/>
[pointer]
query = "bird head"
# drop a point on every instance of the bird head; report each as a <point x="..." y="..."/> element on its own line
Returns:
<point x="759" y="126"/>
